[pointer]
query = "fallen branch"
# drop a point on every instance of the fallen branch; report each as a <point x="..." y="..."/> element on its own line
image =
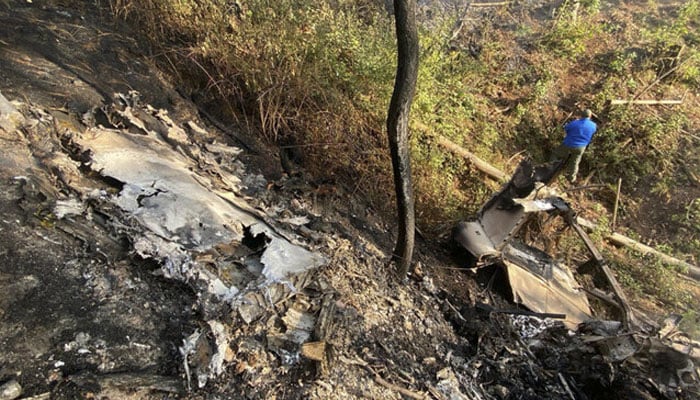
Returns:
<point x="396" y="388"/>
<point x="646" y="102"/>
<point x="457" y="30"/>
<point x="126" y="381"/>
<point x="456" y="311"/>
<point x="436" y="393"/>
<point x="617" y="203"/>
<point x="42" y="396"/>
<point x="491" y="171"/>
<point x="362" y="363"/>
<point x="494" y="4"/>
<point x="667" y="73"/>
<point x="593" y="186"/>
<point x="620" y="240"/>
<point x="565" y="384"/>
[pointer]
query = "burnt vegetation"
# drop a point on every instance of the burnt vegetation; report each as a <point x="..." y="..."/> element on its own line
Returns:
<point x="303" y="87"/>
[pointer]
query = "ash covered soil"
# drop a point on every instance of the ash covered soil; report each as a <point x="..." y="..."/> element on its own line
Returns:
<point x="111" y="292"/>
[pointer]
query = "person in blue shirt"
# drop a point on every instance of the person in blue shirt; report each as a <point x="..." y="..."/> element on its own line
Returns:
<point x="579" y="133"/>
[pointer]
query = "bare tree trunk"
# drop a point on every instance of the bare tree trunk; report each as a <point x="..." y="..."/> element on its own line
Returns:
<point x="397" y="128"/>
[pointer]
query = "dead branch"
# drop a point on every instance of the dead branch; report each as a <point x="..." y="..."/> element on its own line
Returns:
<point x="493" y="4"/>
<point x="491" y="171"/>
<point x="645" y="102"/>
<point x="617" y="203"/>
<point x="364" y="364"/>
<point x="620" y="240"/>
<point x="667" y="73"/>
<point x="42" y="396"/>
<point x="436" y="393"/>
<point x="565" y="384"/>
<point x="457" y="30"/>
<point x="593" y="186"/>
<point x="396" y="388"/>
<point x="456" y="311"/>
<point x="129" y="381"/>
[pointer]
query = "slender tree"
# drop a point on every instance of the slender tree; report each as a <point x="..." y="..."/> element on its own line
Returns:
<point x="397" y="128"/>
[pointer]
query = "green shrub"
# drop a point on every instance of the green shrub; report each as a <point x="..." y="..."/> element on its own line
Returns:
<point x="644" y="276"/>
<point x="566" y="36"/>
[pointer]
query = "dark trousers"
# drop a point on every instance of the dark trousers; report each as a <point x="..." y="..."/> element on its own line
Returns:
<point x="573" y="154"/>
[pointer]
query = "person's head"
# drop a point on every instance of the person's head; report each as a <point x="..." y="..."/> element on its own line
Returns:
<point x="586" y="113"/>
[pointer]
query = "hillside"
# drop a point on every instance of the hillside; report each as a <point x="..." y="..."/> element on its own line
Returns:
<point x="159" y="242"/>
<point x="498" y="80"/>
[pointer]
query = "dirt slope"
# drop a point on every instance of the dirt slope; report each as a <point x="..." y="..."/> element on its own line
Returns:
<point x="88" y="312"/>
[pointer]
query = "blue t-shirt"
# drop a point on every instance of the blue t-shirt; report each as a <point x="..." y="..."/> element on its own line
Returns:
<point x="579" y="132"/>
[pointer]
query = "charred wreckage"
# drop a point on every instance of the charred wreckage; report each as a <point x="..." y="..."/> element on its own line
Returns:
<point x="548" y="288"/>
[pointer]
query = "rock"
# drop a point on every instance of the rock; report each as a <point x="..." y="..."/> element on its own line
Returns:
<point x="10" y="118"/>
<point x="448" y="385"/>
<point x="501" y="391"/>
<point x="10" y="390"/>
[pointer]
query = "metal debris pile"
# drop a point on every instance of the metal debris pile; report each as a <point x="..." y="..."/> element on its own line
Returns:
<point x="181" y="204"/>
<point x="549" y="289"/>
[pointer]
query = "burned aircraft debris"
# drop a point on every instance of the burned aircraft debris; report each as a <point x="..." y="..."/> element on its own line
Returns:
<point x="548" y="287"/>
<point x="537" y="280"/>
<point x="179" y="203"/>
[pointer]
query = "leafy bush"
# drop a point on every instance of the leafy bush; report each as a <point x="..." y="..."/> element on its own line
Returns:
<point x="644" y="276"/>
<point x="569" y="32"/>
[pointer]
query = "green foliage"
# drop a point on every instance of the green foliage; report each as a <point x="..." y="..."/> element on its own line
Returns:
<point x="690" y="323"/>
<point x="692" y="215"/>
<point x="645" y="276"/>
<point x="591" y="6"/>
<point x="688" y="69"/>
<point x="680" y="30"/>
<point x="443" y="198"/>
<point x="688" y="222"/>
<point x="634" y="145"/>
<point x="570" y="30"/>
<point x="602" y="229"/>
<point x="623" y="61"/>
<point x="672" y="44"/>
<point x="446" y="104"/>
